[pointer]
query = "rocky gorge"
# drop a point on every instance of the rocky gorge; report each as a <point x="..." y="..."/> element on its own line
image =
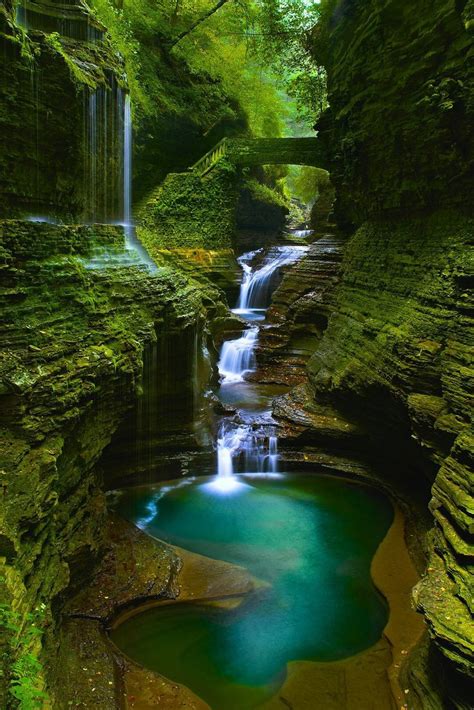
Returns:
<point x="109" y="364"/>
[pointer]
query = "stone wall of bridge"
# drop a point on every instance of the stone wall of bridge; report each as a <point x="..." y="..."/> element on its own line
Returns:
<point x="275" y="151"/>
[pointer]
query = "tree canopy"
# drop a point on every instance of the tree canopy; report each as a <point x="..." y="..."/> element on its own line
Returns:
<point x="252" y="51"/>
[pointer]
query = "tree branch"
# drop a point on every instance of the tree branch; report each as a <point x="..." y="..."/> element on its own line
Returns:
<point x="198" y="22"/>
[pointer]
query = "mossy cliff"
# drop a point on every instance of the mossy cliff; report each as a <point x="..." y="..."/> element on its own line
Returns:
<point x="190" y="210"/>
<point x="400" y="87"/>
<point x="189" y="220"/>
<point x="199" y="220"/>
<point x="74" y="340"/>
<point x="396" y="356"/>
<point x="61" y="101"/>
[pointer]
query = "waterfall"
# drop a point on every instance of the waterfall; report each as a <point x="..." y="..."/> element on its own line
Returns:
<point x="258" y="285"/>
<point x="302" y="233"/>
<point x="247" y="450"/>
<point x="238" y="356"/>
<point x="103" y="111"/>
<point x="229" y="442"/>
<point x="92" y="154"/>
<point x="127" y="163"/>
<point x="109" y="141"/>
<point x="132" y="244"/>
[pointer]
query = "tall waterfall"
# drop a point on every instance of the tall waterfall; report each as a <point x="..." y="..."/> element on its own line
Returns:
<point x="132" y="244"/>
<point x="103" y="131"/>
<point x="127" y="162"/>
<point x="109" y="143"/>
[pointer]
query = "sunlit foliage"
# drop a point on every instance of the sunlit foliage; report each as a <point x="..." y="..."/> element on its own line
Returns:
<point x="252" y="51"/>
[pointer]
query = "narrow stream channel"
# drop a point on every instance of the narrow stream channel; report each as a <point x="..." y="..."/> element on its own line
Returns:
<point x="308" y="539"/>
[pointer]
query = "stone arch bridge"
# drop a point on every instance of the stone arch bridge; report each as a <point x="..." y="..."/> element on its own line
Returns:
<point x="262" y="151"/>
<point x="195" y="211"/>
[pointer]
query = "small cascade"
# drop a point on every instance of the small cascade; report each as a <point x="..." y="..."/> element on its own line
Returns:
<point x="259" y="284"/>
<point x="229" y="443"/>
<point x="260" y="451"/>
<point x="246" y="450"/>
<point x="251" y="447"/>
<point x="238" y="356"/>
<point x="301" y="233"/>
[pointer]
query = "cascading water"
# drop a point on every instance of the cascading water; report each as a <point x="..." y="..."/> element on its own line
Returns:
<point x="302" y="233"/>
<point x="131" y="242"/>
<point x="127" y="163"/>
<point x="238" y="356"/>
<point x="243" y="449"/>
<point x="259" y="284"/>
<point x="99" y="185"/>
<point x="103" y="112"/>
<point x="250" y="447"/>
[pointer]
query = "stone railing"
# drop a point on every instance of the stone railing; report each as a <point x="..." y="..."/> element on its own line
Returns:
<point x="208" y="161"/>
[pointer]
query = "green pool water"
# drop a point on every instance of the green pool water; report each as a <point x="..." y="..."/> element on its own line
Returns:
<point x="310" y="537"/>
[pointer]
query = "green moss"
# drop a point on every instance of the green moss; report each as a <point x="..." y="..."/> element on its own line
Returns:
<point x="398" y="131"/>
<point x="190" y="211"/>
<point x="263" y="193"/>
<point x="82" y="77"/>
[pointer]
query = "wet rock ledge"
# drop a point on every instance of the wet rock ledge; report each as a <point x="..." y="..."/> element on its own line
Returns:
<point x="136" y="571"/>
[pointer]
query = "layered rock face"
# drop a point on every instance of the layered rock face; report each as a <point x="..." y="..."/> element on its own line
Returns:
<point x="299" y="313"/>
<point x="73" y="342"/>
<point x="398" y="134"/>
<point x="396" y="358"/>
<point x="62" y="108"/>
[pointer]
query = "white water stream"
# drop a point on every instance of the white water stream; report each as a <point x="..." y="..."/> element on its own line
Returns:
<point x="251" y="447"/>
<point x="132" y="244"/>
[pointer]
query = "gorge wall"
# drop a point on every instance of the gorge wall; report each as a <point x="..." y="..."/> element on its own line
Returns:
<point x="397" y="352"/>
<point x="74" y="333"/>
<point x="74" y="341"/>
<point x="62" y="89"/>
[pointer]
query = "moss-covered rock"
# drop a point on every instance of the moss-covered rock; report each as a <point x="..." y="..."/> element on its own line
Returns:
<point x="400" y="86"/>
<point x="73" y="346"/>
<point x="188" y="210"/>
<point x="61" y="106"/>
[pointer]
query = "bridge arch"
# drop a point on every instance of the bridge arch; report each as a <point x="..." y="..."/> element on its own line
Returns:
<point x="247" y="152"/>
